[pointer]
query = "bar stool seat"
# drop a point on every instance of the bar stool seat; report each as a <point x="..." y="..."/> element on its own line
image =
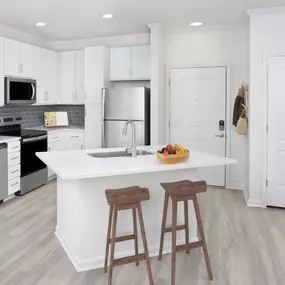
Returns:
<point x="183" y="191"/>
<point x="126" y="199"/>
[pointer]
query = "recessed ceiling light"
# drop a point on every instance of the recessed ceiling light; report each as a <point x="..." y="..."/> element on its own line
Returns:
<point x="196" y="24"/>
<point x="40" y="24"/>
<point x="107" y="16"/>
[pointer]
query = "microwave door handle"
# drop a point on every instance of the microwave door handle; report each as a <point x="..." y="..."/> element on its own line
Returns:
<point x="34" y="91"/>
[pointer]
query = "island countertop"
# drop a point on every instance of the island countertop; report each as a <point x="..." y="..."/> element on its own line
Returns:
<point x="71" y="165"/>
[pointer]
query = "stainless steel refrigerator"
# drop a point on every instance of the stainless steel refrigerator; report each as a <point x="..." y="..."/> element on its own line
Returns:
<point x="119" y="107"/>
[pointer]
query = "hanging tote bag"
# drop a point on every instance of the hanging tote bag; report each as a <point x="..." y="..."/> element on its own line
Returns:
<point x="242" y="124"/>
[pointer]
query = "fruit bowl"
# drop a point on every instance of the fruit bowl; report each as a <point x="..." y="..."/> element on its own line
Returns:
<point x="173" y="154"/>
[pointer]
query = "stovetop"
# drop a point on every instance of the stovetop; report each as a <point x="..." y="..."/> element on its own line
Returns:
<point x="26" y="133"/>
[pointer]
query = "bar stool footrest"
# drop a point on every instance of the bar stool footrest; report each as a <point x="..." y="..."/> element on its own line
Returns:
<point x="178" y="228"/>
<point x="123" y="238"/>
<point x="188" y="246"/>
<point x="129" y="259"/>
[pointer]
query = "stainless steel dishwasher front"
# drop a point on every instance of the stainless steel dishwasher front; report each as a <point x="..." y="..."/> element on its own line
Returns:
<point x="3" y="172"/>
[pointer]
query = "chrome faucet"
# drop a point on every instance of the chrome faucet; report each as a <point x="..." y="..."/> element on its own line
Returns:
<point x="133" y="149"/>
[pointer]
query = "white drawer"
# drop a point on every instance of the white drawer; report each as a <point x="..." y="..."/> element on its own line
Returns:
<point x="14" y="158"/>
<point x="14" y="171"/>
<point x="75" y="135"/>
<point x="14" y="146"/>
<point x="55" y="136"/>
<point x="14" y="185"/>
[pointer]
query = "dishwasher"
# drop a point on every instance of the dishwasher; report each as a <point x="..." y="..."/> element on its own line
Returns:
<point x="3" y="172"/>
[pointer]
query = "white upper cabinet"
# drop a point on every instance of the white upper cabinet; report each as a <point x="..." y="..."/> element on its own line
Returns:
<point x="72" y="77"/>
<point x="2" y="72"/>
<point x="20" y="59"/>
<point x="120" y="63"/>
<point x="12" y="58"/>
<point x="140" y="62"/>
<point x="80" y="76"/>
<point x="47" y="76"/>
<point x="130" y="63"/>
<point x="96" y="72"/>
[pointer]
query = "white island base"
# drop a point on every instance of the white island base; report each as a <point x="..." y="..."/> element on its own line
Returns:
<point x="82" y="216"/>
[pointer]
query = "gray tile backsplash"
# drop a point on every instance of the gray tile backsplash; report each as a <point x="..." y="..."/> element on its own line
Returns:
<point x="33" y="115"/>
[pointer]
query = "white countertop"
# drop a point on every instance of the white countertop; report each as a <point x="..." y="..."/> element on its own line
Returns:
<point x="69" y="128"/>
<point x="70" y="165"/>
<point x="5" y="139"/>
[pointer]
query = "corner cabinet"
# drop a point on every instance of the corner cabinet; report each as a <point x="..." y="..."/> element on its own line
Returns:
<point x="130" y="63"/>
<point x="72" y="77"/>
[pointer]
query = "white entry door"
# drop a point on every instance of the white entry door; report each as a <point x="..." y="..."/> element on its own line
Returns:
<point x="197" y="112"/>
<point x="276" y="132"/>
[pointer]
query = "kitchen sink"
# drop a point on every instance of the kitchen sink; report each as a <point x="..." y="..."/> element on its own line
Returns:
<point x="117" y="154"/>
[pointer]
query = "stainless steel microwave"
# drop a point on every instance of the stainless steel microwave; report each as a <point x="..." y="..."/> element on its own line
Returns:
<point x="20" y="90"/>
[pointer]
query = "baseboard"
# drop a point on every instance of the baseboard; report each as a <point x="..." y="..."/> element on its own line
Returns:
<point x="255" y="203"/>
<point x="90" y="264"/>
<point x="235" y="187"/>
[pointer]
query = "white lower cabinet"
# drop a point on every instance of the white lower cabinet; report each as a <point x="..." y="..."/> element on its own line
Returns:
<point x="64" y="140"/>
<point x="14" y="167"/>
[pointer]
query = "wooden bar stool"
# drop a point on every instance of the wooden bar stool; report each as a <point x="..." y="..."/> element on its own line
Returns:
<point x="120" y="200"/>
<point x="183" y="191"/>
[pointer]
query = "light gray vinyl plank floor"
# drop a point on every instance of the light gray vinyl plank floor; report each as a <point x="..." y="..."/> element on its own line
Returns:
<point x="246" y="246"/>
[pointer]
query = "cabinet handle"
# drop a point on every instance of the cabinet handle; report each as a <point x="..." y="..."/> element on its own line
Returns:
<point x="82" y="146"/>
<point x="48" y="148"/>
<point x="55" y="138"/>
<point x="17" y="170"/>
<point x="22" y="68"/>
<point x="12" y="185"/>
<point x="47" y="95"/>
<point x="14" y="158"/>
<point x="75" y="136"/>
<point x="14" y="147"/>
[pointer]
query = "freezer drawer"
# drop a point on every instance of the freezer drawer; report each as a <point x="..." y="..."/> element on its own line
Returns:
<point x="115" y="138"/>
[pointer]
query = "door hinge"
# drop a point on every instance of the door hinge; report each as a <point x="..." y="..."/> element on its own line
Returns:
<point x="267" y="128"/>
<point x="169" y="82"/>
<point x="266" y="182"/>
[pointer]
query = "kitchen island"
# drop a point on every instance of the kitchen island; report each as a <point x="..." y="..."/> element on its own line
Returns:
<point x="82" y="209"/>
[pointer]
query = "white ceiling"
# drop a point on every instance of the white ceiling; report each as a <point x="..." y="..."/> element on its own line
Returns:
<point x="72" y="19"/>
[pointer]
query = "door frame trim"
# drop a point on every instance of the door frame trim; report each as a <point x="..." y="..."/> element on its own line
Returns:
<point x="227" y="111"/>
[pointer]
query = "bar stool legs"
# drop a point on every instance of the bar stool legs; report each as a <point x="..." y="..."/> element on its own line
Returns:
<point x="202" y="237"/>
<point x="174" y="232"/>
<point x="131" y="201"/>
<point x="163" y="226"/>
<point x="183" y="191"/>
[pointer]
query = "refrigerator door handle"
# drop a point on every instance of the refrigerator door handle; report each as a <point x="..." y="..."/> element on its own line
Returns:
<point x="103" y="116"/>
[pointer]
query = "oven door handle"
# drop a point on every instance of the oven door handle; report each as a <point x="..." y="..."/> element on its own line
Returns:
<point x="35" y="139"/>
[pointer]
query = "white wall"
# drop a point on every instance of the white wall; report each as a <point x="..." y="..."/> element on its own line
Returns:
<point x="211" y="47"/>
<point x="266" y="38"/>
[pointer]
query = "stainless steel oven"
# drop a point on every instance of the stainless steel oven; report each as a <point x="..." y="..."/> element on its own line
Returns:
<point x="33" y="170"/>
<point x="20" y="90"/>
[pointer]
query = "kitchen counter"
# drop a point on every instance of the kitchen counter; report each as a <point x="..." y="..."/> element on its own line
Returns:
<point x="82" y="209"/>
<point x="5" y="139"/>
<point x="79" y="165"/>
<point x="69" y="128"/>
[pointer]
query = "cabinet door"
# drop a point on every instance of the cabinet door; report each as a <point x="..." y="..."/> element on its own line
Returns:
<point x="55" y="146"/>
<point x="79" y="77"/>
<point x="12" y="58"/>
<point x="2" y="72"/>
<point x="28" y="60"/>
<point x="68" y="77"/>
<point x="93" y="126"/>
<point x="140" y="63"/>
<point x="120" y="63"/>
<point x="97" y="73"/>
<point x="74" y="145"/>
<point x="52" y="76"/>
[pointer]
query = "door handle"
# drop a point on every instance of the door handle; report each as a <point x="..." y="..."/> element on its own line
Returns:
<point x="220" y="136"/>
